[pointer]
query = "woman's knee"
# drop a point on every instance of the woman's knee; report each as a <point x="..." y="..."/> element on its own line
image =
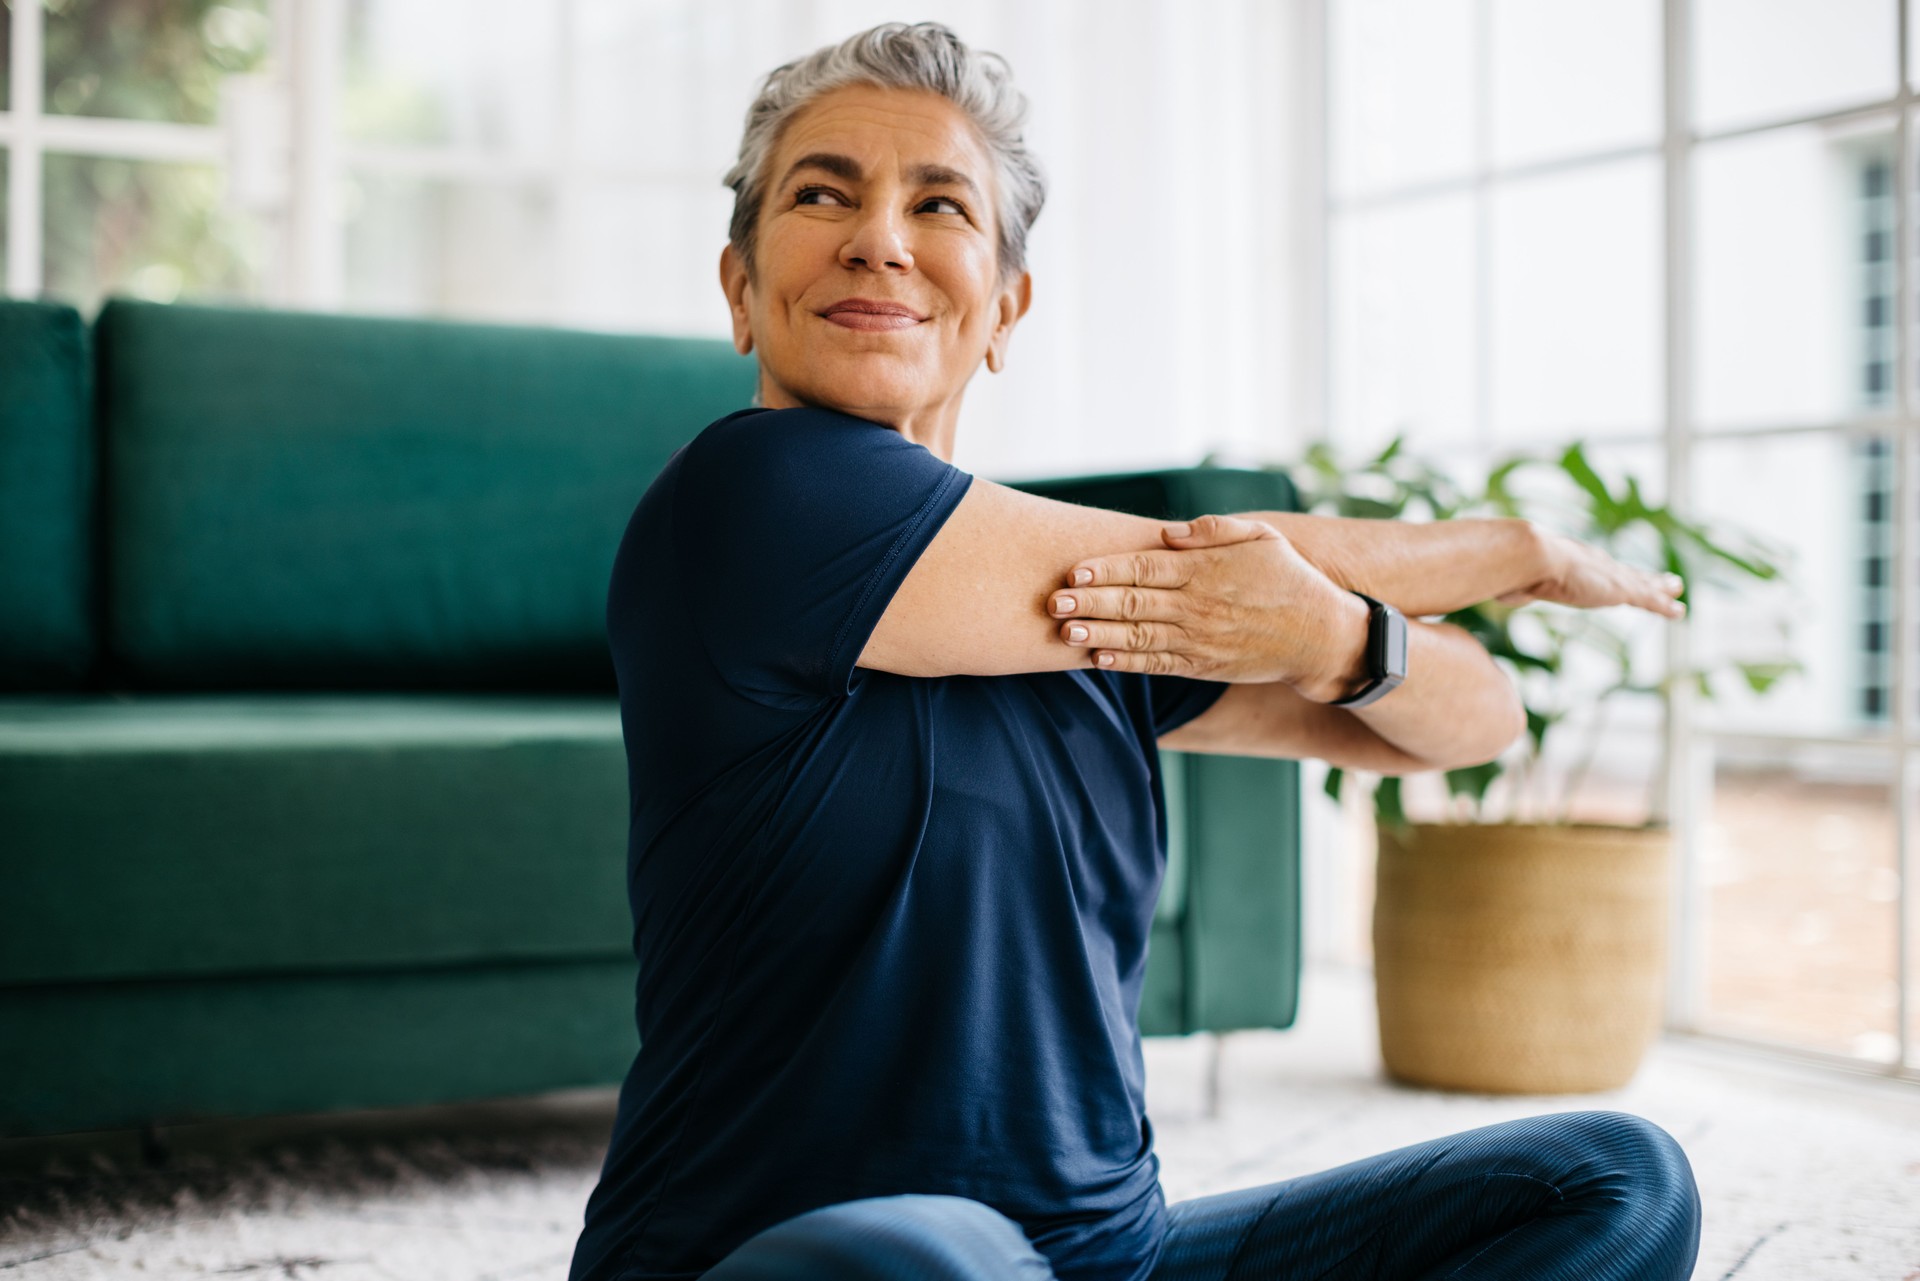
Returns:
<point x="942" y="1238"/>
<point x="1645" y="1166"/>
<point x="1640" y="1147"/>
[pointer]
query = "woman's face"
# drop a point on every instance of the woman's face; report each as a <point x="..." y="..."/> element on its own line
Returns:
<point x="876" y="289"/>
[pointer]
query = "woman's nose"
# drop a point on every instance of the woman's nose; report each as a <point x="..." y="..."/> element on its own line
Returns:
<point x="878" y="241"/>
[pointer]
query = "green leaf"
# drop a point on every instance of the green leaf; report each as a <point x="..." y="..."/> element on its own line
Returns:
<point x="1538" y="723"/>
<point x="1386" y="802"/>
<point x="1497" y="478"/>
<point x="1474" y="780"/>
<point x="1497" y="494"/>
<point x="1497" y="638"/>
<point x="1574" y="463"/>
<point x="1335" y="776"/>
<point x="1762" y="677"/>
<point x="1749" y="562"/>
<point x="1370" y="508"/>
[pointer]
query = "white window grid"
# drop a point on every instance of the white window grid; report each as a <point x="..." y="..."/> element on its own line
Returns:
<point x="1690" y="742"/>
<point x="298" y="111"/>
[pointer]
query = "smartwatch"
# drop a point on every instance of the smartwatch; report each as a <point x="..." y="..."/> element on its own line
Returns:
<point x="1386" y="654"/>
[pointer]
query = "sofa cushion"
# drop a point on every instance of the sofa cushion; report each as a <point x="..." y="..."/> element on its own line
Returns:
<point x="130" y="1054"/>
<point x="322" y="501"/>
<point x="174" y="836"/>
<point x="46" y="499"/>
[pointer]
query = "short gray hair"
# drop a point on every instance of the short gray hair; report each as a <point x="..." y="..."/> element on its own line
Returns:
<point x="896" y="55"/>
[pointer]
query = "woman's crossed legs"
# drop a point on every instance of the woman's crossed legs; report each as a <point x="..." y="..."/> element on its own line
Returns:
<point x="1587" y="1195"/>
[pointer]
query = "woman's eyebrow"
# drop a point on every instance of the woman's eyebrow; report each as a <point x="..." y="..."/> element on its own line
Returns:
<point x="845" y="168"/>
<point x="941" y="176"/>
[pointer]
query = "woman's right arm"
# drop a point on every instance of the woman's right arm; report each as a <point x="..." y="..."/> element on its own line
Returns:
<point x="976" y="601"/>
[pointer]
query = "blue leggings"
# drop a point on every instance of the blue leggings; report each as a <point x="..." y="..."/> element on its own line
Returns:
<point x="1573" y="1196"/>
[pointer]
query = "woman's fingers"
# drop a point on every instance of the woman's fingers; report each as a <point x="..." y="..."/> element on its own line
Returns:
<point x="1665" y="599"/>
<point x="1122" y="603"/>
<point x="1152" y="662"/>
<point x="1134" y="637"/>
<point x="1213" y="530"/>
<point x="1168" y="568"/>
<point x="1586" y="577"/>
<point x="1133" y="569"/>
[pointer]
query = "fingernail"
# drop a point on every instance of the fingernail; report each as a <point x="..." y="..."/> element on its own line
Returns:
<point x="1076" y="632"/>
<point x="1180" y="529"/>
<point x="1065" y="605"/>
<point x="1081" y="577"/>
<point x="1671" y="582"/>
<point x="1105" y="660"/>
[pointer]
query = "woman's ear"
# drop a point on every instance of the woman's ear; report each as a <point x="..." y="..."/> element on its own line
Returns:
<point x="1013" y="303"/>
<point x="733" y="283"/>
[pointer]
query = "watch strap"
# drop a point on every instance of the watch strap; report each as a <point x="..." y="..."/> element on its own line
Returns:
<point x="1386" y="654"/>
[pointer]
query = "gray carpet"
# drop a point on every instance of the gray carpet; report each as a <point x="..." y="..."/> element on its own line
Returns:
<point x="1805" y="1175"/>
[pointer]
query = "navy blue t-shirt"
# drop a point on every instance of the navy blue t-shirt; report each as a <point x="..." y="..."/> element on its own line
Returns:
<point x="891" y="930"/>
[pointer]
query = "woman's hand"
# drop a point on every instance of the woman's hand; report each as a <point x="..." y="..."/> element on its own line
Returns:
<point x="1582" y="575"/>
<point x="1236" y="602"/>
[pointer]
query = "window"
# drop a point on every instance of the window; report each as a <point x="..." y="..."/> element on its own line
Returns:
<point x="1525" y="198"/>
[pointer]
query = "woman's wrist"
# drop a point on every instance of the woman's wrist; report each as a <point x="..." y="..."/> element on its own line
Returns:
<point x="1533" y="553"/>
<point x="1340" y="653"/>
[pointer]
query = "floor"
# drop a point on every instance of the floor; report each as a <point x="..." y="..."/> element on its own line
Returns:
<point x="1805" y="1175"/>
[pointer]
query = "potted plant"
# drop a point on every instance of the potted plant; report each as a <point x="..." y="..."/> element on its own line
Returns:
<point x="1517" y="950"/>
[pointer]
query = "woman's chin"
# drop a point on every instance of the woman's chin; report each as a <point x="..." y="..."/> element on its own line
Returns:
<point x="880" y="393"/>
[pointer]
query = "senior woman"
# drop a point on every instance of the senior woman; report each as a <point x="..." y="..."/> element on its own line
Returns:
<point x="892" y="733"/>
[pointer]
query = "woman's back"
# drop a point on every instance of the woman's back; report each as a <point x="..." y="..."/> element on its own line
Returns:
<point x="891" y="930"/>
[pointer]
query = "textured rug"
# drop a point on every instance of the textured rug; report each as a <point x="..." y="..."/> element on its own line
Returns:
<point x="1804" y="1174"/>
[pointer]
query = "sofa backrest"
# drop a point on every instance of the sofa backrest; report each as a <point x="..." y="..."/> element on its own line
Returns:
<point x="46" y="499"/>
<point x="296" y="500"/>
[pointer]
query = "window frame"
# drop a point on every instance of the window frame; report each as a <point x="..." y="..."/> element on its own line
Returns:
<point x="1690" y="741"/>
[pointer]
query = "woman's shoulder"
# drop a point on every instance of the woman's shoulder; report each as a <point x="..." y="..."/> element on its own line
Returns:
<point x="778" y="445"/>
<point x="761" y="424"/>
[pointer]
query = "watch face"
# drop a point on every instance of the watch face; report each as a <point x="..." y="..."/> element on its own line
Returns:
<point x="1386" y="653"/>
<point x="1394" y="643"/>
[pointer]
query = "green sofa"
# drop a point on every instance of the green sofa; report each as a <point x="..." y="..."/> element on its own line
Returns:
<point x="312" y="792"/>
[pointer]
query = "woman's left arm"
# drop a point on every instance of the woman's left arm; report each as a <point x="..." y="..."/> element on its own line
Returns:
<point x="1456" y="708"/>
<point x="1240" y="594"/>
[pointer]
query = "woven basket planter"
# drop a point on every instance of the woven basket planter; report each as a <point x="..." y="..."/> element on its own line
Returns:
<point x="1519" y="958"/>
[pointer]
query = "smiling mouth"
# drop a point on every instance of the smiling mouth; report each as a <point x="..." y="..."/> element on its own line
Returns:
<point x="871" y="315"/>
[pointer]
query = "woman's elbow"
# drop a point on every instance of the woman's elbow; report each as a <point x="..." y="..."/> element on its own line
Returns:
<point x="1506" y="722"/>
<point x="1496" y="722"/>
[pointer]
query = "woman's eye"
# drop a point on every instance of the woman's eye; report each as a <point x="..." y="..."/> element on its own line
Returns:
<point x="945" y="205"/>
<point x="817" y="196"/>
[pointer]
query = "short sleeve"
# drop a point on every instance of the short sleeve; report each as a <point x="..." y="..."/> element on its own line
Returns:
<point x="792" y="529"/>
<point x="1175" y="700"/>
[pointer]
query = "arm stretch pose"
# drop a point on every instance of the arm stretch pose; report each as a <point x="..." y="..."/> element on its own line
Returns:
<point x="897" y="827"/>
